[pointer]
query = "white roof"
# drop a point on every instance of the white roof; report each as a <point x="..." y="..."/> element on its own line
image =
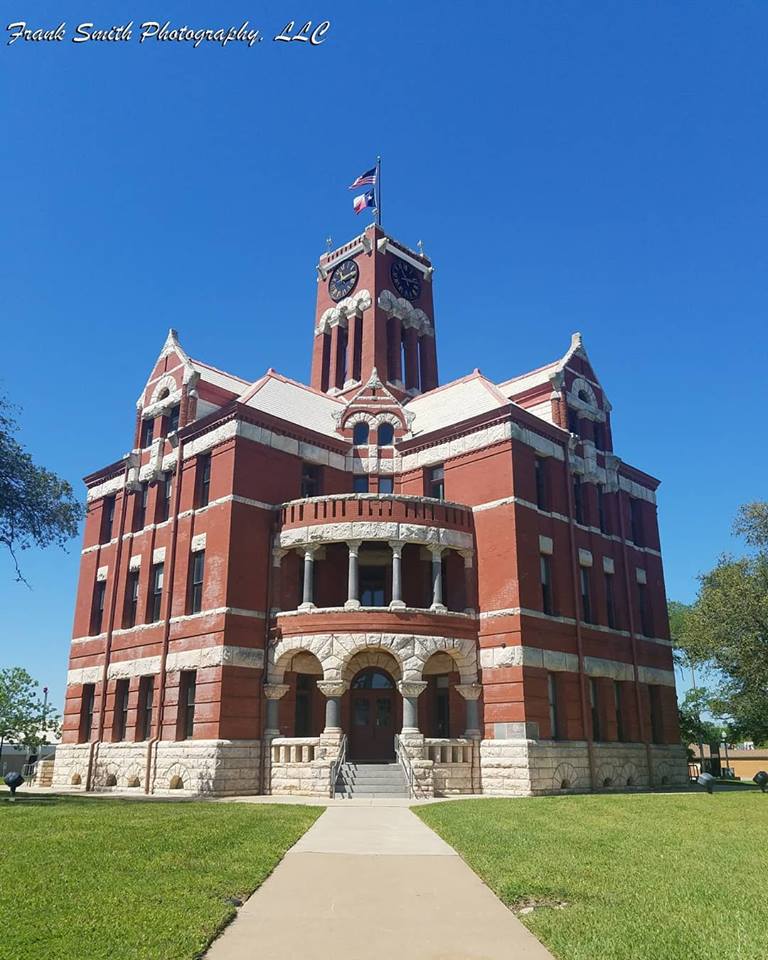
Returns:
<point x="298" y="404"/>
<point x="218" y="378"/>
<point x="453" y="403"/>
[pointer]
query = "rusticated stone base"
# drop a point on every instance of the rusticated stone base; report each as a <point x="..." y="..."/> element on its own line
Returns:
<point x="538" y="767"/>
<point x="186" y="767"/>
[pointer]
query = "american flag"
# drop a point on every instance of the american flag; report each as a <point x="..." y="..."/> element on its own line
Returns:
<point x="368" y="177"/>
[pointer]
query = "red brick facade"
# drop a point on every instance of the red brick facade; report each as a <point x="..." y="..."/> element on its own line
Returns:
<point x="473" y="538"/>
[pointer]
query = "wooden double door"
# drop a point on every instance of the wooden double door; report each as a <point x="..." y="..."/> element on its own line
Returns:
<point x="375" y="716"/>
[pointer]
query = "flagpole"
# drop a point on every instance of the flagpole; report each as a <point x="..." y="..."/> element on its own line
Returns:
<point x="378" y="191"/>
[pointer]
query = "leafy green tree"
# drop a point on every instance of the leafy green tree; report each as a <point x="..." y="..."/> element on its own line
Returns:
<point x="25" y="718"/>
<point x="37" y="508"/>
<point x="693" y="727"/>
<point x="726" y="629"/>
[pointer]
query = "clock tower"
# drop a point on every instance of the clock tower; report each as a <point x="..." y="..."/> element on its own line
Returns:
<point x="374" y="311"/>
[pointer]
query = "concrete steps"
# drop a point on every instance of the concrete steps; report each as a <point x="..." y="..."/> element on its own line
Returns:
<point x="371" y="780"/>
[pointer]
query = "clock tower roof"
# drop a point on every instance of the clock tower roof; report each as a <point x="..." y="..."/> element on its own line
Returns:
<point x="374" y="311"/>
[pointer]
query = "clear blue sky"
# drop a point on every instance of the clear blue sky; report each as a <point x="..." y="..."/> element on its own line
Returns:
<point x="586" y="166"/>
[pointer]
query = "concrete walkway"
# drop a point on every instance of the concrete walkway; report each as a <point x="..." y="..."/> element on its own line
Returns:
<point x="373" y="882"/>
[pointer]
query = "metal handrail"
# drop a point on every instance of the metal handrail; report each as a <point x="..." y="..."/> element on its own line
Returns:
<point x="404" y="760"/>
<point x="337" y="764"/>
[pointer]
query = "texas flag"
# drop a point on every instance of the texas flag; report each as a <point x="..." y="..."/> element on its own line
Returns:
<point x="367" y="199"/>
<point x="368" y="177"/>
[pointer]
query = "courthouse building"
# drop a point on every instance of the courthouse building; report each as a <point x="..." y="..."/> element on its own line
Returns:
<point x="290" y="588"/>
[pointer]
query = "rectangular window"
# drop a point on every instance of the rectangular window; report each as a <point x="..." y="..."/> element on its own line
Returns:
<point x="600" y="436"/>
<point x="436" y="482"/>
<point x="636" y="521"/>
<point x="386" y="485"/>
<point x="107" y="519"/>
<point x="187" y="692"/>
<point x="618" y="692"/>
<point x="164" y="494"/>
<point x="578" y="500"/>
<point x="547" y="599"/>
<point x="360" y="483"/>
<point x="602" y="514"/>
<point x="147" y="432"/>
<point x="586" y="597"/>
<point x="140" y="499"/>
<point x="144" y="719"/>
<point x="646" y="620"/>
<point x="203" y="475"/>
<point x="657" y="723"/>
<point x="156" y="594"/>
<point x="197" y="573"/>
<point x="594" y="702"/>
<point x="554" y="719"/>
<point x="173" y="419"/>
<point x="373" y="584"/>
<point x="311" y="477"/>
<point x="610" y="601"/>
<point x="97" y="609"/>
<point x="573" y="421"/>
<point x="542" y="491"/>
<point x="87" y="699"/>
<point x="120" y="723"/>
<point x="131" y="608"/>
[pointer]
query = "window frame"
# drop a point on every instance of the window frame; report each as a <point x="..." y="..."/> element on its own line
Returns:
<point x="390" y="431"/>
<point x="358" y="481"/>
<point x="120" y="710"/>
<point x="610" y="600"/>
<point x="555" y="733"/>
<point x="357" y="432"/>
<point x="541" y="478"/>
<point x="196" y="582"/>
<point x="578" y="499"/>
<point x="98" y="604"/>
<point x="203" y="478"/>
<point x="107" y="518"/>
<point x="594" y="703"/>
<point x="155" y="598"/>
<point x="388" y="480"/>
<point x="585" y="594"/>
<point x="131" y="604"/>
<point x="87" y="704"/>
<point x="147" y="432"/>
<point x="547" y="589"/>
<point x="187" y="703"/>
<point x="144" y="718"/>
<point x="436" y="481"/>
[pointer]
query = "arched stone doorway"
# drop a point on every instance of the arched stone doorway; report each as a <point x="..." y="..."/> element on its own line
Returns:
<point x="375" y="710"/>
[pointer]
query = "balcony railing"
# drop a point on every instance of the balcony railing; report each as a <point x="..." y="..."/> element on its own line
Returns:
<point x="370" y="506"/>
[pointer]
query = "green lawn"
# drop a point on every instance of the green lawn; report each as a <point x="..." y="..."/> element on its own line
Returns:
<point x="86" y="879"/>
<point x="644" y="877"/>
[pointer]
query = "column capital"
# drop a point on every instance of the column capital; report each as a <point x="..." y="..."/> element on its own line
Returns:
<point x="332" y="688"/>
<point x="277" y="555"/>
<point x="436" y="550"/>
<point x="469" y="557"/>
<point x="397" y="547"/>
<point x="274" y="691"/>
<point x="411" y="688"/>
<point x="310" y="549"/>
<point x="354" y="546"/>
<point x="470" y="691"/>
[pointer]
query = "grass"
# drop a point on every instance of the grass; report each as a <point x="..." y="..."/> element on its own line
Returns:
<point x="644" y="877"/>
<point x="86" y="879"/>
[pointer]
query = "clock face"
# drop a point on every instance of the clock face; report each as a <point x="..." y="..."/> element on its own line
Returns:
<point x="406" y="279"/>
<point x="343" y="280"/>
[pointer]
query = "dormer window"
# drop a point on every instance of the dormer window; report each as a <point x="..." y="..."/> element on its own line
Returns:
<point x="386" y="434"/>
<point x="147" y="432"/>
<point x="360" y="434"/>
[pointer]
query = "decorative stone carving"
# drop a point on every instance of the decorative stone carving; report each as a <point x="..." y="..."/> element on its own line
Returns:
<point x="412" y="688"/>
<point x="470" y="691"/>
<point x="349" y="307"/>
<point x="332" y="688"/>
<point x="409" y="315"/>
<point x="274" y="691"/>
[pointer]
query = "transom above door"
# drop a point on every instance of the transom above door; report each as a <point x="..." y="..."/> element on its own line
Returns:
<point x="374" y="710"/>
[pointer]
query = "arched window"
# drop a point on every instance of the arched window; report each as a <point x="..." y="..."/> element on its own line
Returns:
<point x="372" y="679"/>
<point x="360" y="434"/>
<point x="386" y="434"/>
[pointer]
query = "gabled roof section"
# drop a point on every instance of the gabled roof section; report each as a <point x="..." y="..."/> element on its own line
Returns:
<point x="455" y="402"/>
<point x="292" y="401"/>
<point x="575" y="359"/>
<point x="225" y="381"/>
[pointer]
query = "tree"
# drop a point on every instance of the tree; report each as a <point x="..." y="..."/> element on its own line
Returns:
<point x="36" y="507"/>
<point x="694" y="729"/>
<point x="726" y="629"/>
<point x="25" y="719"/>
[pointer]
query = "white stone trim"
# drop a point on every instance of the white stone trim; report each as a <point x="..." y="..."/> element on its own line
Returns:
<point x="106" y="488"/>
<point x="375" y="530"/>
<point x="101" y="574"/>
<point x="608" y="565"/>
<point x="223" y="656"/>
<point x="492" y="658"/>
<point x="640" y="575"/>
<point x="198" y="543"/>
<point x="546" y="545"/>
<point x="385" y="245"/>
<point x="408" y="315"/>
<point x="84" y="675"/>
<point x="585" y="557"/>
<point x="135" y="562"/>
<point x="338" y="315"/>
<point x="158" y="555"/>
<point x="635" y="490"/>
<point x="539" y="615"/>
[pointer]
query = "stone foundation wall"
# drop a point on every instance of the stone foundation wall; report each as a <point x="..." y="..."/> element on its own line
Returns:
<point x="187" y="767"/>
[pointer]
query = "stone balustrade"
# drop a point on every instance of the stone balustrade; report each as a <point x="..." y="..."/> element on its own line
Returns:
<point x="444" y="751"/>
<point x="295" y="749"/>
<point x="362" y="507"/>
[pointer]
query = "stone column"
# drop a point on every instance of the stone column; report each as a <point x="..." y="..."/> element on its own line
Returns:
<point x="307" y="600"/>
<point x="333" y="691"/>
<point x="353" y="590"/>
<point x="277" y="587"/>
<point x="470" y="597"/>
<point x="411" y="358"/>
<point x="437" y="580"/>
<point x="397" y="575"/>
<point x="471" y="693"/>
<point x="428" y="353"/>
<point x="411" y="691"/>
<point x="273" y="692"/>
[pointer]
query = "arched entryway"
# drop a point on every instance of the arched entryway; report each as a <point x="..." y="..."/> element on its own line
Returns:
<point x="375" y="709"/>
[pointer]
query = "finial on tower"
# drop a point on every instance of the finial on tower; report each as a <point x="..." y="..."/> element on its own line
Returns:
<point x="420" y="245"/>
<point x="328" y="243"/>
